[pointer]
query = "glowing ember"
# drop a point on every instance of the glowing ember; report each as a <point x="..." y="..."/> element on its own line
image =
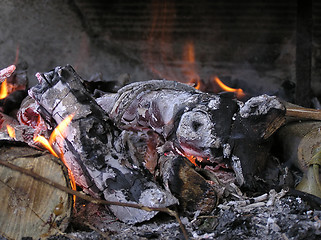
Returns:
<point x="4" y="90"/>
<point x="11" y="131"/>
<point x="192" y="159"/>
<point x="239" y="92"/>
<point x="6" y="72"/>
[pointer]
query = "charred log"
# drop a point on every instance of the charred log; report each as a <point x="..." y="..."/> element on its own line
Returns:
<point x="192" y="190"/>
<point x="91" y="150"/>
<point x="193" y="123"/>
<point x="256" y="121"/>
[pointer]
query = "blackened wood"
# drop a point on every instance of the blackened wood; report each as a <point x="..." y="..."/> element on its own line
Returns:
<point x="12" y="102"/>
<point x="256" y="121"/>
<point x="193" y="191"/>
<point x="92" y="149"/>
<point x="31" y="208"/>
<point x="190" y="121"/>
<point x="197" y="124"/>
<point x="303" y="52"/>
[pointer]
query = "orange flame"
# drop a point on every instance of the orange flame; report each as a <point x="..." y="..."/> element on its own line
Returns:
<point x="11" y="131"/>
<point x="192" y="159"/>
<point x="189" y="66"/>
<point x="239" y="92"/>
<point x="60" y="130"/>
<point x="4" y="89"/>
<point x="46" y="144"/>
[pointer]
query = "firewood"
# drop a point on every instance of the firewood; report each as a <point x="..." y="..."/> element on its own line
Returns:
<point x="297" y="112"/>
<point x="32" y="208"/>
<point x="6" y="72"/>
<point x="199" y="124"/>
<point x="300" y="141"/>
<point x="193" y="191"/>
<point x="92" y="149"/>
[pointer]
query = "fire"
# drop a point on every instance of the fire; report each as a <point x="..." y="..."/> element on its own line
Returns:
<point x="45" y="143"/>
<point x="4" y="89"/>
<point x="11" y="131"/>
<point x="239" y="92"/>
<point x="60" y="130"/>
<point x="189" y="66"/>
<point x="192" y="159"/>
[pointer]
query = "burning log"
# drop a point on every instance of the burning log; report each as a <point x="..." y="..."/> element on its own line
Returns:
<point x="6" y="72"/>
<point x="192" y="190"/>
<point x="27" y="203"/>
<point x="210" y="127"/>
<point x="91" y="149"/>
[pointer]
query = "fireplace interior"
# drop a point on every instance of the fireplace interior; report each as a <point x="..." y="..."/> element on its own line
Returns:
<point x="250" y="45"/>
<point x="262" y="47"/>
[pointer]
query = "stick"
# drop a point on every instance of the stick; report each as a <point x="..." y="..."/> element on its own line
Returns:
<point x="91" y="199"/>
<point x="301" y="112"/>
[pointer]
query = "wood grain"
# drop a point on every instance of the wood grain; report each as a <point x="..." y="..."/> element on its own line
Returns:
<point x="32" y="208"/>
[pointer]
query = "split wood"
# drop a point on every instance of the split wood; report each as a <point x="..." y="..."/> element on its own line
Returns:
<point x="94" y="200"/>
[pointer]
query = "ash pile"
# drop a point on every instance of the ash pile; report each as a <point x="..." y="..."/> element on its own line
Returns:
<point x="162" y="148"/>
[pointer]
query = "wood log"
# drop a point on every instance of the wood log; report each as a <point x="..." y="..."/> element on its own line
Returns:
<point x="300" y="141"/>
<point x="192" y="190"/>
<point x="31" y="208"/>
<point x="92" y="150"/>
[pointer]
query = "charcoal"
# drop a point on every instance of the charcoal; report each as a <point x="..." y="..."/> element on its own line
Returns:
<point x="23" y="134"/>
<point x="92" y="149"/>
<point x="193" y="122"/>
<point x="12" y="101"/>
<point x="255" y="122"/>
<point x="192" y="190"/>
<point x="206" y="126"/>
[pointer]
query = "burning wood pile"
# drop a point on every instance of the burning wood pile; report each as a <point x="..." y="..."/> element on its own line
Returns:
<point x="149" y="147"/>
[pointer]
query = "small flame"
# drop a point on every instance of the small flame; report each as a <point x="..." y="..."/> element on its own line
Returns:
<point x="46" y="144"/>
<point x="195" y="83"/>
<point x="11" y="131"/>
<point x="61" y="128"/>
<point x="4" y="90"/>
<point x="189" y="67"/>
<point x="239" y="92"/>
<point x="192" y="159"/>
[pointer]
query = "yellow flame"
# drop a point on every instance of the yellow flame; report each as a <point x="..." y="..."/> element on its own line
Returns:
<point x="45" y="143"/>
<point x="239" y="92"/>
<point x="3" y="89"/>
<point x="61" y="128"/>
<point x="11" y="131"/>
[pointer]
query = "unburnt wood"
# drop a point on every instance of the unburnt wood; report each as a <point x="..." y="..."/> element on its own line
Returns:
<point x="32" y="208"/>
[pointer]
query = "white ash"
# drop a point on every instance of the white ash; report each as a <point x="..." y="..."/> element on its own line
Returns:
<point x="226" y="150"/>
<point x="214" y="104"/>
<point x="236" y="165"/>
<point x="260" y="105"/>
